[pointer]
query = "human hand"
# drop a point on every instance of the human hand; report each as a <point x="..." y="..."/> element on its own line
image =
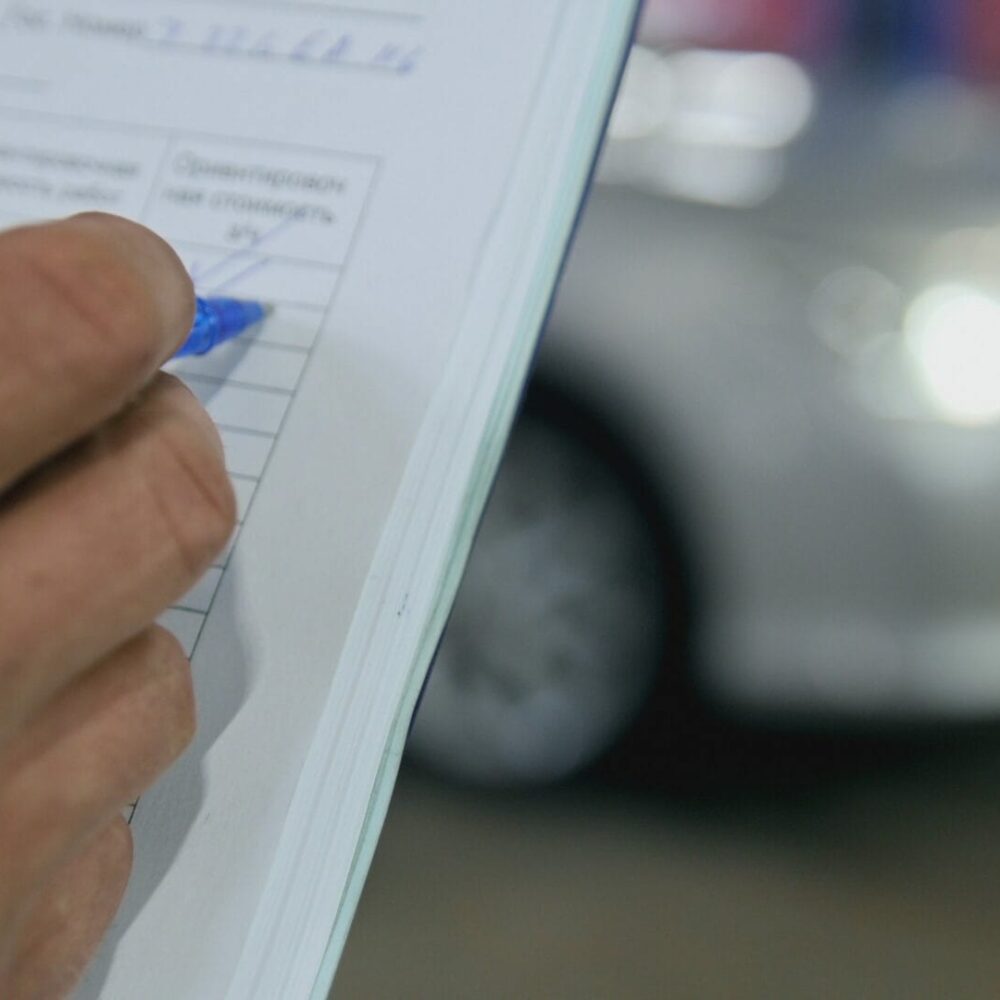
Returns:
<point x="113" y="501"/>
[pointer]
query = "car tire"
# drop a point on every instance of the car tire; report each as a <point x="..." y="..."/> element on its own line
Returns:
<point x="562" y="620"/>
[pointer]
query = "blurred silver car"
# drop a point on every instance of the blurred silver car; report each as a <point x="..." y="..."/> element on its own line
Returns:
<point x="766" y="425"/>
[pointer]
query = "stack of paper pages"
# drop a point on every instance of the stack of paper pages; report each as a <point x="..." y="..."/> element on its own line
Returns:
<point x="400" y="178"/>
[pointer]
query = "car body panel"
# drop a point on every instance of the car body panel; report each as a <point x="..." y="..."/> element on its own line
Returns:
<point x="847" y="562"/>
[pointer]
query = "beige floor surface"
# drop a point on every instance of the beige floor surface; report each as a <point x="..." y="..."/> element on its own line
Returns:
<point x="885" y="887"/>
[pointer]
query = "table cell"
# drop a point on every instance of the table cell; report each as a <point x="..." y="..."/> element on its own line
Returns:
<point x="256" y="275"/>
<point x="246" y="454"/>
<point x="242" y="361"/>
<point x="185" y="626"/>
<point x="290" y="326"/>
<point x="268" y="199"/>
<point x="238" y="407"/>
<point x="52" y="168"/>
<point x="200" y="596"/>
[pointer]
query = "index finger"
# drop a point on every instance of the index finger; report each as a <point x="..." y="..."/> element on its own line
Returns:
<point x="90" y="308"/>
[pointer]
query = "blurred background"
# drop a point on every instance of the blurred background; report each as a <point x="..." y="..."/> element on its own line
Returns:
<point x="716" y="712"/>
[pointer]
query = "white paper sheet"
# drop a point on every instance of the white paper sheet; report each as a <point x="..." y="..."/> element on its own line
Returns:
<point x="347" y="163"/>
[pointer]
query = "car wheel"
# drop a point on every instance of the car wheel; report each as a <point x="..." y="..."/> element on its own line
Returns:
<point x="560" y="622"/>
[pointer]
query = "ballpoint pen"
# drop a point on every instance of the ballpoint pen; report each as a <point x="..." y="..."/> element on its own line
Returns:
<point x="219" y="320"/>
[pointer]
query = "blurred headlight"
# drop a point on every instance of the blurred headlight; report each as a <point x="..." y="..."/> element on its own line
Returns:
<point x="952" y="338"/>
<point x="707" y="126"/>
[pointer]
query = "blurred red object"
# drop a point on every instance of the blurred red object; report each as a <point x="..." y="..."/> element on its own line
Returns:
<point x="978" y="24"/>
<point x="797" y="27"/>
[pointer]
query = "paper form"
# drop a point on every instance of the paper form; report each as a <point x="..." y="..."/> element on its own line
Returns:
<point x="345" y="162"/>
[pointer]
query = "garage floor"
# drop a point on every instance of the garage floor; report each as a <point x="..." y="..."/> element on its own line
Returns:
<point x="880" y="884"/>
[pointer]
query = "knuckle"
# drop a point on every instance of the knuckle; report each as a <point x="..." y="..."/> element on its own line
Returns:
<point x="193" y="491"/>
<point x="116" y="852"/>
<point x="103" y="311"/>
<point x="172" y="696"/>
<point x="162" y="650"/>
<point x="143" y="730"/>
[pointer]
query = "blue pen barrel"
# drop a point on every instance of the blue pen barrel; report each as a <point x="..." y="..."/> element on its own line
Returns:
<point x="219" y="320"/>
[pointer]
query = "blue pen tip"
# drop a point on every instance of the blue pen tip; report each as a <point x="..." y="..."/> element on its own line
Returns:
<point x="219" y="320"/>
<point x="235" y="315"/>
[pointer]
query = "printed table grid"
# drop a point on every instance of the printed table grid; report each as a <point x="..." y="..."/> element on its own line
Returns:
<point x="247" y="385"/>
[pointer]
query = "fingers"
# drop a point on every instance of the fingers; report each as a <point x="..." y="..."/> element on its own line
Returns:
<point x="113" y="501"/>
<point x="67" y="921"/>
<point x="96" y="546"/>
<point x="94" y="748"/>
<point x="93" y="306"/>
